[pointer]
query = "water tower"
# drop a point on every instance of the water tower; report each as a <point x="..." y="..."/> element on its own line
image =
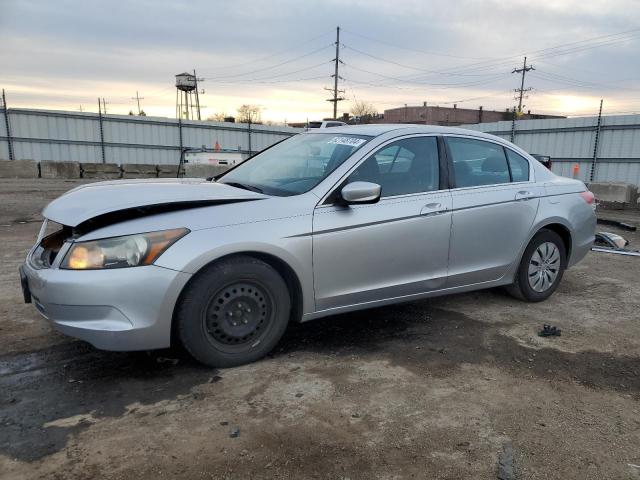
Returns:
<point x="187" y="99"/>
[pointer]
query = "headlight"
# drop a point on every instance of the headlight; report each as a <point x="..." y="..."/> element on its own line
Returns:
<point x="120" y="252"/>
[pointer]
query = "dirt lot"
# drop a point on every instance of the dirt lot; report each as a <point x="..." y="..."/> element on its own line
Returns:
<point x="433" y="389"/>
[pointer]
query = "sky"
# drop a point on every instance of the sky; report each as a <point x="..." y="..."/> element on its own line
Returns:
<point x="278" y="54"/>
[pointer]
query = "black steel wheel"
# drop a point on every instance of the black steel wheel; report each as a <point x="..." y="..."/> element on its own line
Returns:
<point x="233" y="312"/>
<point x="239" y="313"/>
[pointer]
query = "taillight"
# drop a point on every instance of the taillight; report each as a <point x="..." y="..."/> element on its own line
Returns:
<point x="589" y="197"/>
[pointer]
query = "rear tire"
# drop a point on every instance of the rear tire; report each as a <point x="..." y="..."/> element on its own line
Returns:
<point x="234" y="312"/>
<point x="541" y="268"/>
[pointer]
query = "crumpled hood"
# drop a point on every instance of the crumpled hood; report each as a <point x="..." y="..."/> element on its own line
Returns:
<point x="95" y="199"/>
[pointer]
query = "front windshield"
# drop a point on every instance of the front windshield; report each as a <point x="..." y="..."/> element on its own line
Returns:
<point x="295" y="165"/>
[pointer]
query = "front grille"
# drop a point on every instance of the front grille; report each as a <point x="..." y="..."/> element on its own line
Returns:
<point x="47" y="250"/>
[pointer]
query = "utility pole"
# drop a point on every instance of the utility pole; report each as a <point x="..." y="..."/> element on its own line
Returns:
<point x="137" y="98"/>
<point x="521" y="90"/>
<point x="336" y="76"/>
<point x="104" y="105"/>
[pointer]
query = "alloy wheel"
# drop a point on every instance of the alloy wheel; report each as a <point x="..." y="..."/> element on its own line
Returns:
<point x="544" y="267"/>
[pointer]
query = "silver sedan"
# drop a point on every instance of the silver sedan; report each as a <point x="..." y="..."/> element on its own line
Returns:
<point x="324" y="222"/>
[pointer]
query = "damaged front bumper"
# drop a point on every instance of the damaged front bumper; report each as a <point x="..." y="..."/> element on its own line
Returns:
<point x="120" y="309"/>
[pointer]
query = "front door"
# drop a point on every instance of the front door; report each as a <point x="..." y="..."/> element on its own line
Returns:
<point x="397" y="247"/>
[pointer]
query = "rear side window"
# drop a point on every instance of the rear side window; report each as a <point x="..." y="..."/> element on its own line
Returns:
<point x="519" y="166"/>
<point x="476" y="162"/>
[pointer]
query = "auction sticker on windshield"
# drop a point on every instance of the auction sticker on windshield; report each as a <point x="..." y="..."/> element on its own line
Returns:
<point x="351" y="141"/>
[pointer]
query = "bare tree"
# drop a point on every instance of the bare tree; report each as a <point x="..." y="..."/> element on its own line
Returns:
<point x="217" y="117"/>
<point x="364" y="110"/>
<point x="249" y="114"/>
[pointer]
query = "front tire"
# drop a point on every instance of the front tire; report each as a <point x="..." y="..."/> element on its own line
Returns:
<point x="234" y="312"/>
<point x="541" y="268"/>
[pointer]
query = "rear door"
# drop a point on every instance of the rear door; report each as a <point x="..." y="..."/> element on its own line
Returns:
<point x="396" y="247"/>
<point x="495" y="201"/>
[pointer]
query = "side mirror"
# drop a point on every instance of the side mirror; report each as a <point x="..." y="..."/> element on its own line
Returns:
<point x="361" y="192"/>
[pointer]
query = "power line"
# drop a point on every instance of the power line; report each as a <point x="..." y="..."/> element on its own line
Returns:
<point x="554" y="77"/>
<point x="444" y="86"/>
<point x="277" y="54"/>
<point x="267" y="82"/>
<point x="393" y="62"/>
<point x="416" y="80"/>
<point x="550" y="52"/>
<point x="271" y="66"/>
<point x="288" y="73"/>
<point x="424" y="52"/>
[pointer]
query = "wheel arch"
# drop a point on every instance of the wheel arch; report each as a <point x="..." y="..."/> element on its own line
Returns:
<point x="288" y="274"/>
<point x="563" y="232"/>
<point x="556" y="225"/>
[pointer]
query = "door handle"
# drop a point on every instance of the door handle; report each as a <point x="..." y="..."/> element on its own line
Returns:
<point x="524" y="195"/>
<point x="433" y="209"/>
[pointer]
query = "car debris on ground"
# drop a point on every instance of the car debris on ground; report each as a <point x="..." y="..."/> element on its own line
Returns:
<point x="549" y="331"/>
<point x="608" y="242"/>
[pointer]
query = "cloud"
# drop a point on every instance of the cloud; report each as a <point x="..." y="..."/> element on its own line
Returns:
<point x="60" y="54"/>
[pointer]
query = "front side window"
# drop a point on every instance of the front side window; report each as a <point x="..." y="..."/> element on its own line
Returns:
<point x="402" y="167"/>
<point x="295" y="165"/>
<point x="476" y="162"/>
<point x="519" y="166"/>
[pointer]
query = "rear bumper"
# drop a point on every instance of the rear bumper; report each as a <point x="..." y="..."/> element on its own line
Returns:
<point x="580" y="250"/>
<point x="119" y="309"/>
<point x="583" y="237"/>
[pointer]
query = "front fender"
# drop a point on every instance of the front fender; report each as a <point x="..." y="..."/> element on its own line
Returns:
<point x="278" y="238"/>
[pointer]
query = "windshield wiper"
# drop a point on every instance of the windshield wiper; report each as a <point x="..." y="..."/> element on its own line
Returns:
<point x="244" y="186"/>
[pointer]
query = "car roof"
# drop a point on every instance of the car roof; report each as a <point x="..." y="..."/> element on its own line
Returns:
<point x="378" y="129"/>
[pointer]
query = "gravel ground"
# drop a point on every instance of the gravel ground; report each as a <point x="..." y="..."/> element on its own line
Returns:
<point x="440" y="389"/>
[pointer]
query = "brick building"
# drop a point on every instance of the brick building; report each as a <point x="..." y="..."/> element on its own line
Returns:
<point x="433" y="115"/>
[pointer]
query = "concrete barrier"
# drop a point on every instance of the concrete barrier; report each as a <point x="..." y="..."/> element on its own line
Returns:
<point x="101" y="170"/>
<point x="51" y="169"/>
<point x="139" y="170"/>
<point x="615" y="194"/>
<point x="168" y="171"/>
<point x="19" y="169"/>
<point x="194" y="170"/>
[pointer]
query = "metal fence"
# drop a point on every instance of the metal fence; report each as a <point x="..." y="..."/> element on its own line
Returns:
<point x="27" y="134"/>
<point x="608" y="153"/>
